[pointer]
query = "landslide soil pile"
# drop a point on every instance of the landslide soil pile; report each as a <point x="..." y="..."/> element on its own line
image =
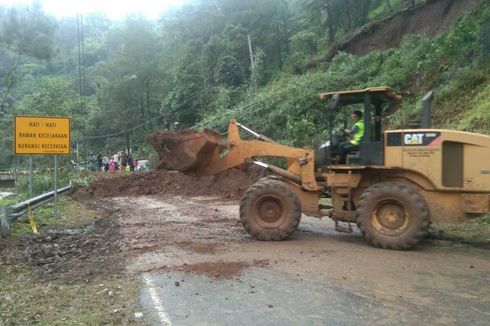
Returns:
<point x="229" y="185"/>
<point x="430" y="20"/>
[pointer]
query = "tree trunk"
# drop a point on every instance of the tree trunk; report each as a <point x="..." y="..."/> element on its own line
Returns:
<point x="148" y="104"/>
<point x="142" y="108"/>
<point x="388" y="5"/>
<point x="348" y="11"/>
<point x="282" y="32"/>
<point x="11" y="81"/>
<point x="279" y="46"/>
<point x="285" y="32"/>
<point x="128" y="142"/>
<point x="331" y="34"/>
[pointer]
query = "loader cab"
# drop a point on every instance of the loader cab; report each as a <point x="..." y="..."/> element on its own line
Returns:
<point x="374" y="102"/>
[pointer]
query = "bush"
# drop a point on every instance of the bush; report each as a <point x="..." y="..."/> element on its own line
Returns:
<point x="40" y="184"/>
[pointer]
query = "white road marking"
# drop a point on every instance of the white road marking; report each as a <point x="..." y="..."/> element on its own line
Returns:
<point x="157" y="304"/>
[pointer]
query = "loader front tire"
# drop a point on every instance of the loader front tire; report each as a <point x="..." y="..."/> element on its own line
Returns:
<point x="270" y="210"/>
<point x="393" y="215"/>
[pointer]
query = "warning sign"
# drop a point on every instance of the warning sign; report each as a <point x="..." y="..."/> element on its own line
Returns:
<point x="42" y="135"/>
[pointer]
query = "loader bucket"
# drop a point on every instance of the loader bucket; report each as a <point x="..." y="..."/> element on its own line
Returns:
<point x="187" y="150"/>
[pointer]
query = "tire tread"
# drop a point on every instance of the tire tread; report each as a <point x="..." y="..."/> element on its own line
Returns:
<point x="421" y="216"/>
<point x="286" y="229"/>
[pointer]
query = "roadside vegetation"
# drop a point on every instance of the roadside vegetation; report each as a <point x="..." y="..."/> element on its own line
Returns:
<point x="193" y="67"/>
<point x="25" y="301"/>
<point x="32" y="296"/>
<point x="476" y="232"/>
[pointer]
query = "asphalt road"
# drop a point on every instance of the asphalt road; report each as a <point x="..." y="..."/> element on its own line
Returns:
<point x="198" y="267"/>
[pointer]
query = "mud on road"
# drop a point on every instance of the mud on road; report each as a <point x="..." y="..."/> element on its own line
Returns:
<point x="181" y="238"/>
<point x="205" y="269"/>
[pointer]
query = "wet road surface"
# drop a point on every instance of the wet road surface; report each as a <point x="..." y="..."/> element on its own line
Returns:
<point x="198" y="267"/>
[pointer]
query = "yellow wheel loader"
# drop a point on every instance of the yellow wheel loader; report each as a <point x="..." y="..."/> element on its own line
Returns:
<point x="392" y="187"/>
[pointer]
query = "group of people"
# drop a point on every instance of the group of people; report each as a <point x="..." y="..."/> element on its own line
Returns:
<point x="122" y="160"/>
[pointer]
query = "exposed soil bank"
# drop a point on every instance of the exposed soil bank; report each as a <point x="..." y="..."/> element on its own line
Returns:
<point x="430" y="20"/>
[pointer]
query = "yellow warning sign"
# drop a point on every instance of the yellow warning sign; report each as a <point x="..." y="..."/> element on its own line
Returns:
<point x="42" y="135"/>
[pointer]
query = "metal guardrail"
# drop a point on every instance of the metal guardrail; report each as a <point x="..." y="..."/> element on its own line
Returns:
<point x="11" y="212"/>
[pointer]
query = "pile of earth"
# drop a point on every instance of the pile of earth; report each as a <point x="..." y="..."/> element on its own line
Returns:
<point x="69" y="255"/>
<point x="230" y="184"/>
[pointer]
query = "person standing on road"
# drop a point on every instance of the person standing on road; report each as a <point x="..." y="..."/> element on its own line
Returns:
<point x="99" y="161"/>
<point x="124" y="159"/>
<point x="112" y="165"/>
<point x="105" y="163"/>
<point x="129" y="161"/>
<point x="115" y="159"/>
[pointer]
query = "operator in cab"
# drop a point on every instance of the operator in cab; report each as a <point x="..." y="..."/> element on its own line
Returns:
<point x="354" y="136"/>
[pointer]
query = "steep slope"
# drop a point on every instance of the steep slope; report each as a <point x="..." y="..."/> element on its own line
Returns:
<point x="455" y="64"/>
<point x="429" y="20"/>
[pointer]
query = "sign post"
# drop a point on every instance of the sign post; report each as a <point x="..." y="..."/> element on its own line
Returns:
<point x="55" y="176"/>
<point x="42" y="136"/>
<point x="15" y="173"/>
<point x="30" y="176"/>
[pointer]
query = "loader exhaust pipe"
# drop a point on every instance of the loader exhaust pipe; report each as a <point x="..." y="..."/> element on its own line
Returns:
<point x="426" y="112"/>
<point x="280" y="172"/>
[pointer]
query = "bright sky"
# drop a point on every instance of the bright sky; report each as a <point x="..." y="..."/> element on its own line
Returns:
<point x="114" y="9"/>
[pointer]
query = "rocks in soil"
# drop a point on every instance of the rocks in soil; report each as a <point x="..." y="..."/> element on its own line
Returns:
<point x="185" y="150"/>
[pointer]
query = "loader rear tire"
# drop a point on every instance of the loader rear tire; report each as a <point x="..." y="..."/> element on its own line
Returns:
<point x="270" y="210"/>
<point x="393" y="215"/>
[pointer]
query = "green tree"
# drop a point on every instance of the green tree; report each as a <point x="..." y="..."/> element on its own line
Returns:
<point x="28" y="32"/>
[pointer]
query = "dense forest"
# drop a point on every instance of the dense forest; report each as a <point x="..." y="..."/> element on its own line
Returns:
<point x="261" y="61"/>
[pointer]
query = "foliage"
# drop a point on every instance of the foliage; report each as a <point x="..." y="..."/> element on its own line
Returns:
<point x="40" y="184"/>
<point x="193" y="67"/>
<point x="477" y="118"/>
<point x="24" y="31"/>
<point x="28" y="31"/>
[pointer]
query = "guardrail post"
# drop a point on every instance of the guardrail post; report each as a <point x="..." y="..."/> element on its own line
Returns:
<point x="11" y="212"/>
<point x="55" y="176"/>
<point x="4" y="222"/>
<point x="30" y="176"/>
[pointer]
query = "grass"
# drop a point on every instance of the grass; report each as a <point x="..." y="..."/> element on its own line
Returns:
<point x="477" y="117"/>
<point x="24" y="300"/>
<point x="11" y="200"/>
<point x="475" y="230"/>
<point x="106" y="301"/>
<point x="70" y="214"/>
<point x="43" y="182"/>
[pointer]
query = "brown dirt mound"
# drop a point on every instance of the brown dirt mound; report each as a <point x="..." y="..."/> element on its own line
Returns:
<point x="69" y="255"/>
<point x="230" y="184"/>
